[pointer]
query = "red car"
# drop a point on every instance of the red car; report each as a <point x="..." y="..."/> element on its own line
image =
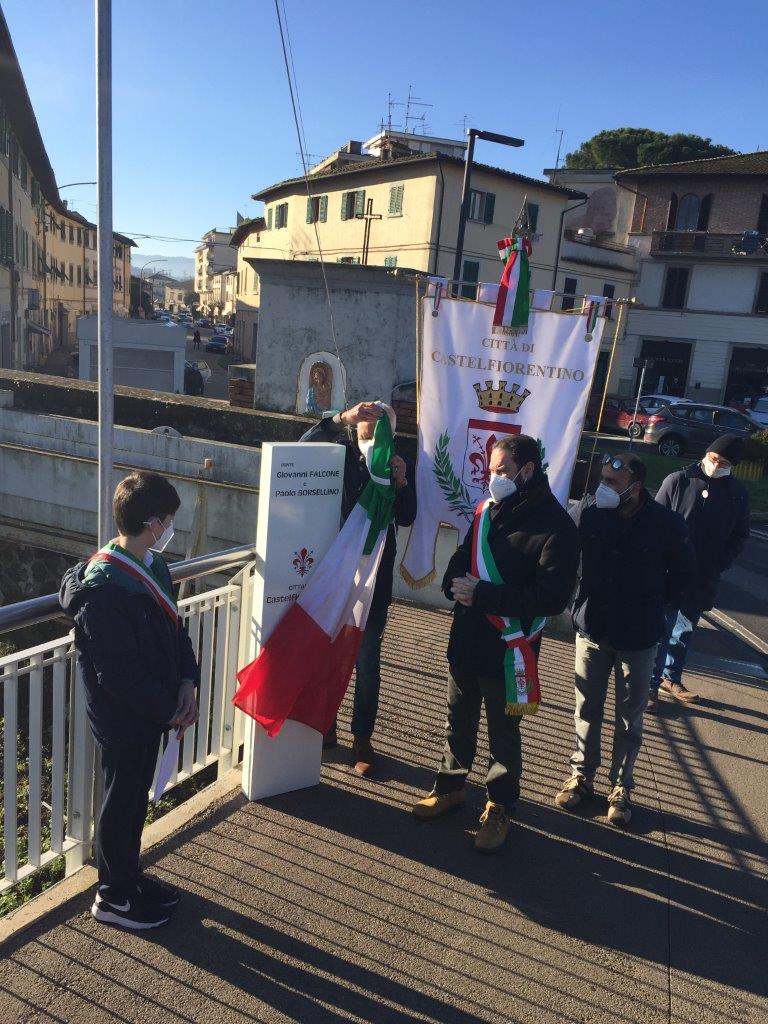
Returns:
<point x="618" y="416"/>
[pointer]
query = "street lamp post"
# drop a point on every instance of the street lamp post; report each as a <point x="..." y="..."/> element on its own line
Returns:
<point x="473" y="133"/>
<point x="141" y="274"/>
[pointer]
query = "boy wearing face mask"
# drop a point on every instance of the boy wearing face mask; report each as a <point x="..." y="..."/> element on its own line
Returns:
<point x="140" y="677"/>
<point x="354" y="429"/>
<point x="530" y="554"/>
<point x="635" y="557"/>
<point x="715" y="505"/>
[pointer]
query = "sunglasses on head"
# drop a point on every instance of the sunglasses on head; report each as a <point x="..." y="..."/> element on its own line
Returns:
<point x="616" y="463"/>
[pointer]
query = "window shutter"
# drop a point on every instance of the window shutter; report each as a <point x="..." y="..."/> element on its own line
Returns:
<point x="390" y="261"/>
<point x="360" y="202"/>
<point x="323" y="209"/>
<point x="490" y="203"/>
<point x="672" y="215"/>
<point x="762" y="217"/>
<point x="392" y="200"/>
<point x="309" y="210"/>
<point x="704" y="209"/>
<point x="344" y="205"/>
<point x="269" y="218"/>
<point x="533" y="215"/>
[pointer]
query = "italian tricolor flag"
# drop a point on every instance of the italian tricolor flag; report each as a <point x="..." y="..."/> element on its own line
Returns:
<point x="513" y="302"/>
<point x="303" y="670"/>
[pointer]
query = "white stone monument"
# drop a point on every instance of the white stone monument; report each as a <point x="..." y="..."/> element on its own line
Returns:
<point x="299" y="516"/>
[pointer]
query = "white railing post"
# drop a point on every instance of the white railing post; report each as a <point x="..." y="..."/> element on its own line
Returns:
<point x="81" y="770"/>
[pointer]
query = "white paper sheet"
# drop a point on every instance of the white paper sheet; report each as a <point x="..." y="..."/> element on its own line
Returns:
<point x="168" y="764"/>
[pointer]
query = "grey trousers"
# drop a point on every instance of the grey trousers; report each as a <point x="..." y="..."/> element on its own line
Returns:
<point x="632" y="672"/>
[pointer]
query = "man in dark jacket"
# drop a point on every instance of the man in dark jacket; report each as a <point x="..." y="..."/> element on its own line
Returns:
<point x="533" y="546"/>
<point x="635" y="557"/>
<point x="716" y="508"/>
<point x="140" y="678"/>
<point x="361" y="419"/>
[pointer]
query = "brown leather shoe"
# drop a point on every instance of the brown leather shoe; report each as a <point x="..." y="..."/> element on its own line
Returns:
<point x="433" y="805"/>
<point x="678" y="692"/>
<point x="494" y="827"/>
<point x="363" y="755"/>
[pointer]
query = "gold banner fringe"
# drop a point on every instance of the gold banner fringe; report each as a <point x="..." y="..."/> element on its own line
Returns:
<point x="522" y="709"/>
<point x="514" y="331"/>
<point x="415" y="584"/>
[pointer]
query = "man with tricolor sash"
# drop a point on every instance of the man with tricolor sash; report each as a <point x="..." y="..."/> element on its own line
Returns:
<point x="516" y="566"/>
<point x="140" y="676"/>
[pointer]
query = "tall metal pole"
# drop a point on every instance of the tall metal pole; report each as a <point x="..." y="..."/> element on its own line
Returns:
<point x="105" y="265"/>
<point x="464" y="211"/>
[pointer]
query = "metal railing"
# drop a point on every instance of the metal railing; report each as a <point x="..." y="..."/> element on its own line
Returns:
<point x="710" y="243"/>
<point x="49" y="769"/>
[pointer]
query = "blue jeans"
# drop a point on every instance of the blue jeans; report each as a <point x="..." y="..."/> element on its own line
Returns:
<point x="673" y="646"/>
<point x="368" y="680"/>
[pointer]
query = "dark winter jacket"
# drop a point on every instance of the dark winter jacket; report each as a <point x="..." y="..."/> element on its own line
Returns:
<point x="536" y="549"/>
<point x="717" y="514"/>
<point x="630" y="568"/>
<point x="356" y="476"/>
<point x="132" y="658"/>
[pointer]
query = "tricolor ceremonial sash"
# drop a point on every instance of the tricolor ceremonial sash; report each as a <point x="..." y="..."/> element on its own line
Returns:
<point x="521" y="674"/>
<point x="513" y="304"/>
<point x="113" y="564"/>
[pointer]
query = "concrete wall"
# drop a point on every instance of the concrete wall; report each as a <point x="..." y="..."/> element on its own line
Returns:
<point x="146" y="354"/>
<point x="49" y="482"/>
<point x="374" y="314"/>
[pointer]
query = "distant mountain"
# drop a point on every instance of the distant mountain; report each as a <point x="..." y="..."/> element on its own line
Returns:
<point x="180" y="267"/>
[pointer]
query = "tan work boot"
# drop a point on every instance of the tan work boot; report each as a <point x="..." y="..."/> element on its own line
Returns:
<point x="619" y="809"/>
<point x="574" y="790"/>
<point x="363" y="755"/>
<point x="678" y="692"/>
<point x="494" y="826"/>
<point x="435" y="804"/>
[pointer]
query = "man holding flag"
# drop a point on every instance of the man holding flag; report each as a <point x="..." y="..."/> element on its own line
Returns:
<point x="517" y="564"/>
<point x="338" y="622"/>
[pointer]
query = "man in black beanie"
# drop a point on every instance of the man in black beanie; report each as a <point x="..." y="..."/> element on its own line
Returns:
<point x="716" y="508"/>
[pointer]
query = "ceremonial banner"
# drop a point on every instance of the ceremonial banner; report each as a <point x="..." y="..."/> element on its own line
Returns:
<point x="477" y="387"/>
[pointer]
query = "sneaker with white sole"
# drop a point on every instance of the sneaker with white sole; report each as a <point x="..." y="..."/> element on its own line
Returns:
<point x="135" y="913"/>
<point x="619" y="806"/>
<point x="574" y="790"/>
<point x="158" y="892"/>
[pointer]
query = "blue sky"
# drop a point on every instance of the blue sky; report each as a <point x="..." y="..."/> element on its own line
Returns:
<point x="202" y="115"/>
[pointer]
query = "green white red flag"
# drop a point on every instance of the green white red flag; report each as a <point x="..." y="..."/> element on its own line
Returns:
<point x="513" y="302"/>
<point x="303" y="670"/>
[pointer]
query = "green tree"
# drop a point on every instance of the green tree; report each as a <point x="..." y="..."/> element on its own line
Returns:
<point x="639" y="147"/>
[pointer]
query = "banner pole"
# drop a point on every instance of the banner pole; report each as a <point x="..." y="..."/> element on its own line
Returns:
<point x="621" y="303"/>
<point x="418" y="353"/>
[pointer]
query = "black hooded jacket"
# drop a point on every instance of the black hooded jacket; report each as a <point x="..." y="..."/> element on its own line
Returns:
<point x="536" y="548"/>
<point x="132" y="659"/>
<point x="717" y="514"/>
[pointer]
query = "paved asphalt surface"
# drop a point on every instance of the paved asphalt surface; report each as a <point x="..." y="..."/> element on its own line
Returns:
<point x="217" y="385"/>
<point x="333" y="904"/>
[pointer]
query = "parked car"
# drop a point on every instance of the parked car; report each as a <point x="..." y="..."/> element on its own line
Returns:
<point x="218" y="343"/>
<point x="689" y="427"/>
<point x="651" y="403"/>
<point x="759" y="411"/>
<point x="618" y="416"/>
<point x="203" y="322"/>
<point x="202" y="368"/>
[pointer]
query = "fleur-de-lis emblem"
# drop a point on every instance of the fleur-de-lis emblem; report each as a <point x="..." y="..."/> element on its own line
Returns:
<point x="303" y="561"/>
<point x="480" y="460"/>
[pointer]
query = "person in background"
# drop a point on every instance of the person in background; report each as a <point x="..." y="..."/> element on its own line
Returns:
<point x="140" y="677"/>
<point x="715" y="505"/>
<point x="529" y="550"/>
<point x="635" y="558"/>
<point x="196" y="339"/>
<point x="348" y="428"/>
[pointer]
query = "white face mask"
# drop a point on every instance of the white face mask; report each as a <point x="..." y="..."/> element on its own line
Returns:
<point x="164" y="539"/>
<point x="502" y="487"/>
<point x="715" y="472"/>
<point x="606" y="497"/>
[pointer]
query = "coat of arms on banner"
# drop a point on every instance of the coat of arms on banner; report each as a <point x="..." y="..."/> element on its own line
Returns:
<point x="462" y="494"/>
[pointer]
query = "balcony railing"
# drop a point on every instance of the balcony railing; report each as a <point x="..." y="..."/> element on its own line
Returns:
<point x="600" y="239"/>
<point x="46" y="731"/>
<point x="710" y="244"/>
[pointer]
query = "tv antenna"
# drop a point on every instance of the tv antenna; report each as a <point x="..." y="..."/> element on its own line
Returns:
<point x="414" y="101"/>
<point x="464" y="123"/>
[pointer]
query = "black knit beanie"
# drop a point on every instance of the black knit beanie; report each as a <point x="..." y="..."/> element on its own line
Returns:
<point x="728" y="447"/>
